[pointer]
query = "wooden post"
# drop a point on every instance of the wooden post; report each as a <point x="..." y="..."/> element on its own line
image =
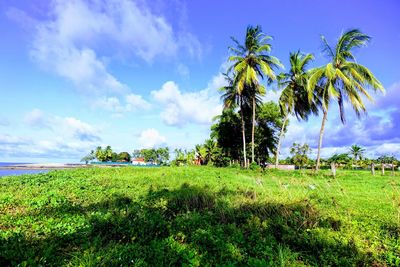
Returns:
<point x="392" y="168"/>
<point x="383" y="168"/>
<point x="373" y="168"/>
<point x="333" y="169"/>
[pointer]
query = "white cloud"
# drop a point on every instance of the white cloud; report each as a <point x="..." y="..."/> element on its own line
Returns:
<point x="136" y="102"/>
<point x="69" y="42"/>
<point x="63" y="126"/>
<point x="180" y="108"/>
<point x="36" y="118"/>
<point x="55" y="149"/>
<point x="113" y="104"/>
<point x="151" y="138"/>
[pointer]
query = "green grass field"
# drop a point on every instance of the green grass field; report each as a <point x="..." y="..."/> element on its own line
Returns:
<point x="199" y="216"/>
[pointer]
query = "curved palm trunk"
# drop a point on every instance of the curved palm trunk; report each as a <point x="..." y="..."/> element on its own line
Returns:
<point x="278" y="147"/>
<point x="321" y="134"/>
<point x="252" y="129"/>
<point x="243" y="133"/>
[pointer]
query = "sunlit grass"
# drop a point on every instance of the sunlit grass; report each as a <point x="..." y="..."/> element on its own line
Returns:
<point x="199" y="216"/>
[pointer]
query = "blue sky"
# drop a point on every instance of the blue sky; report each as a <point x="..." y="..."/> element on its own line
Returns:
<point x="132" y="74"/>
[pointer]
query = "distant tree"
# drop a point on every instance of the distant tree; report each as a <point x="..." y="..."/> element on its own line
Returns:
<point x="342" y="159"/>
<point x="386" y="159"/>
<point x="211" y="149"/>
<point x="300" y="154"/>
<point x="124" y="156"/>
<point x="136" y="154"/>
<point x="162" y="155"/>
<point x="357" y="152"/>
<point x="225" y="130"/>
<point x="342" y="79"/>
<point x="228" y="125"/>
<point x="89" y="157"/>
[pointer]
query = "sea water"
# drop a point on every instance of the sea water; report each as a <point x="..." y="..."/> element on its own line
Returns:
<point x="17" y="172"/>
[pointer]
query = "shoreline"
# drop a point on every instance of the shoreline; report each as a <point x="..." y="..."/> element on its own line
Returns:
<point x="58" y="166"/>
<point x="44" y="166"/>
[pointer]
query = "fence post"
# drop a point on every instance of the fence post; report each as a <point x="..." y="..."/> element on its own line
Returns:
<point x="373" y="168"/>
<point x="333" y="169"/>
<point x="392" y="168"/>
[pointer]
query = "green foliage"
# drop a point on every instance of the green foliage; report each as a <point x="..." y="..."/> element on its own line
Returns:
<point x="124" y="156"/>
<point x="89" y="157"/>
<point x="227" y="128"/>
<point x="294" y="98"/>
<point x="105" y="154"/>
<point x="198" y="216"/>
<point x="184" y="157"/>
<point x="341" y="159"/>
<point x="300" y="154"/>
<point x="357" y="152"/>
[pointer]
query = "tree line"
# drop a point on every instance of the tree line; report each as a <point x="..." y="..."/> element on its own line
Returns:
<point x="152" y="155"/>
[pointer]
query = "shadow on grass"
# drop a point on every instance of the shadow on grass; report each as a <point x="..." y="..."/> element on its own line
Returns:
<point x="188" y="226"/>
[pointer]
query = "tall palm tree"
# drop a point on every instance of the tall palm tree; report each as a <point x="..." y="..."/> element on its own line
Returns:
<point x="251" y="61"/>
<point x="343" y="79"/>
<point x="232" y="98"/>
<point x="357" y="152"/>
<point x="294" y="97"/>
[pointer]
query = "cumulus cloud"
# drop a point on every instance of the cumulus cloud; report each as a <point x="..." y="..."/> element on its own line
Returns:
<point x="132" y="102"/>
<point x="63" y="126"/>
<point x="180" y="108"/>
<point x="69" y="42"/>
<point x="150" y="138"/>
<point x="58" y="148"/>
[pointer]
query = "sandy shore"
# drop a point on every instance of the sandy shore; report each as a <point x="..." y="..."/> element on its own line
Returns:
<point x="40" y="166"/>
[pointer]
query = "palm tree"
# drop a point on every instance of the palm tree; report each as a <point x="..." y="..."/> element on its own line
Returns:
<point x="342" y="79"/>
<point x="251" y="61"/>
<point x="357" y="152"/>
<point x="294" y="96"/>
<point x="232" y="98"/>
<point x="211" y="148"/>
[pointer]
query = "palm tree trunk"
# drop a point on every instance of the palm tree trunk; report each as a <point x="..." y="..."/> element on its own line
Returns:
<point x="252" y="129"/>
<point x="243" y="133"/>
<point x="278" y="147"/>
<point x="321" y="134"/>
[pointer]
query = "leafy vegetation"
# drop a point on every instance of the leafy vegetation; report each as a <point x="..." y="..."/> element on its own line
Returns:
<point x="154" y="155"/>
<point x="199" y="216"/>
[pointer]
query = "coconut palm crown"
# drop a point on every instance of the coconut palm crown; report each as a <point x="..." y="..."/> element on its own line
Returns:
<point x="343" y="78"/>
<point x="294" y="97"/>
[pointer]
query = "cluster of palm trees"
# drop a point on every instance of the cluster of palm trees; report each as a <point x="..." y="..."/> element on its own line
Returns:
<point x="305" y="91"/>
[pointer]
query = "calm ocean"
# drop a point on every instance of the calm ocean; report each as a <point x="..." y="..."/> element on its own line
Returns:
<point x="17" y="172"/>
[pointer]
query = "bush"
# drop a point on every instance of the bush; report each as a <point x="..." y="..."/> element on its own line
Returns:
<point x="254" y="166"/>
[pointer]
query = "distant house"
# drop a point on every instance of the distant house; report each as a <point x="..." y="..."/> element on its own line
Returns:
<point x="139" y="161"/>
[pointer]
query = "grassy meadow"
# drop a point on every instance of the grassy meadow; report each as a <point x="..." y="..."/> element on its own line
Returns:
<point x="199" y="216"/>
